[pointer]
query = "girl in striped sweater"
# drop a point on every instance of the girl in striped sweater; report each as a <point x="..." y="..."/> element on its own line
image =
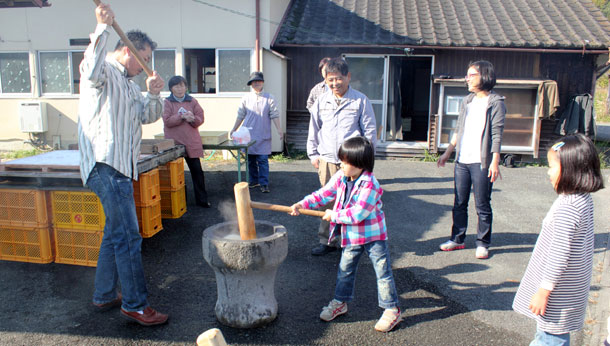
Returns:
<point x="556" y="283"/>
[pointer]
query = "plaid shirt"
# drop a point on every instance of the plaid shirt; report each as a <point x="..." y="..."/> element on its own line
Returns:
<point x="362" y="220"/>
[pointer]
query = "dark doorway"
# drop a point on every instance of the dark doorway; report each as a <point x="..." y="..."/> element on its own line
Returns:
<point x="408" y="98"/>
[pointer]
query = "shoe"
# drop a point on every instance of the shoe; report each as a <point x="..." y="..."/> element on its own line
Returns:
<point x="111" y="304"/>
<point x="332" y="310"/>
<point x="450" y="245"/>
<point x="389" y="319"/>
<point x="265" y="189"/>
<point x="482" y="252"/>
<point x="253" y="185"/>
<point x="149" y="317"/>
<point x="204" y="204"/>
<point x="322" y="250"/>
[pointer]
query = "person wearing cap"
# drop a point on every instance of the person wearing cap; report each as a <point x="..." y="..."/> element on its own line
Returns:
<point x="256" y="111"/>
<point x="182" y="116"/>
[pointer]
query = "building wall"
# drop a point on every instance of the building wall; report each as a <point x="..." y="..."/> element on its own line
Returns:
<point x="573" y="72"/>
<point x="177" y="24"/>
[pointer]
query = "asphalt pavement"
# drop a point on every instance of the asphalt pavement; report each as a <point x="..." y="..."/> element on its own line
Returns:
<point x="447" y="298"/>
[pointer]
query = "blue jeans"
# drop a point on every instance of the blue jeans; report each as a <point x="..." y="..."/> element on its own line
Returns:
<point x="120" y="258"/>
<point x="380" y="257"/>
<point x="465" y="177"/>
<point x="258" y="165"/>
<point x="546" y="339"/>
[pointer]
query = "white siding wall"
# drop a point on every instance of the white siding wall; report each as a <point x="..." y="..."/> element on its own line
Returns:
<point x="174" y="24"/>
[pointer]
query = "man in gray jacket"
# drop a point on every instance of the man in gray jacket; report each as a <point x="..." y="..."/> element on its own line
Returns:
<point x="337" y="114"/>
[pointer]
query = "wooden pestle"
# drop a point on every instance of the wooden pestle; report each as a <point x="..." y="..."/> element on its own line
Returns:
<point x="129" y="44"/>
<point x="245" y="218"/>
<point x="285" y="209"/>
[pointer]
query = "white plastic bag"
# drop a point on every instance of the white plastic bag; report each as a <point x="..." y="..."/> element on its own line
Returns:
<point x="241" y="136"/>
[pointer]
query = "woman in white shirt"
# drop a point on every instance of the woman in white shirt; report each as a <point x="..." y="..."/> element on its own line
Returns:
<point x="477" y="141"/>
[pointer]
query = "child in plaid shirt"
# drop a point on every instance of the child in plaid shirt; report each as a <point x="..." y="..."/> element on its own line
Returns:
<point x="358" y="218"/>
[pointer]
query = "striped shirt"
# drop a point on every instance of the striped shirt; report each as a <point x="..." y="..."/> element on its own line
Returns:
<point x="362" y="219"/>
<point x="111" y="111"/>
<point x="562" y="262"/>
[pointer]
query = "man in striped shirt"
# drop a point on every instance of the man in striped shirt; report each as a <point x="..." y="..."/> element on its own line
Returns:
<point x="112" y="110"/>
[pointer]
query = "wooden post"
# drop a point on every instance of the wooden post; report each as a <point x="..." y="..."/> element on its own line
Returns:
<point x="245" y="218"/>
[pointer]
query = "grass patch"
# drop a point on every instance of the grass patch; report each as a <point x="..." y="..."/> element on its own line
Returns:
<point x="600" y="101"/>
<point x="603" y="148"/>
<point x="17" y="154"/>
<point x="430" y="157"/>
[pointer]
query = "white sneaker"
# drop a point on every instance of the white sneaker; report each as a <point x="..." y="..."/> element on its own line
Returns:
<point x="389" y="319"/>
<point x="482" y="252"/>
<point x="450" y="245"/>
<point x="332" y="310"/>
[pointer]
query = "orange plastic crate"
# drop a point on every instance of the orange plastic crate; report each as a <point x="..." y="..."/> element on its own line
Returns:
<point x="173" y="203"/>
<point x="23" y="208"/>
<point x="146" y="191"/>
<point x="149" y="219"/>
<point x="171" y="175"/>
<point x="77" y="246"/>
<point x="77" y="210"/>
<point x="32" y="245"/>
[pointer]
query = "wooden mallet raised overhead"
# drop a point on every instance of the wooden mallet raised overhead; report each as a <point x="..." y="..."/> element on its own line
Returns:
<point x="245" y="217"/>
<point x="129" y="44"/>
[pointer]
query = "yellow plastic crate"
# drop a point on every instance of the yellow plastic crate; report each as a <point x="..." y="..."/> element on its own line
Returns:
<point x="23" y="208"/>
<point x="77" y="246"/>
<point x="32" y="245"/>
<point x="77" y="210"/>
<point x="149" y="219"/>
<point x="171" y="175"/>
<point x="146" y="191"/>
<point x="173" y="203"/>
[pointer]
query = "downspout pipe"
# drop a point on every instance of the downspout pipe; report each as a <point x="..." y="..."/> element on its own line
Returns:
<point x="257" y="43"/>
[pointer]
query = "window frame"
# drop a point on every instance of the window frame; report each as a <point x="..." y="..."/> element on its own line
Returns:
<point x="72" y="92"/>
<point x="530" y="149"/>
<point x="152" y="65"/>
<point x="231" y="93"/>
<point x="18" y="95"/>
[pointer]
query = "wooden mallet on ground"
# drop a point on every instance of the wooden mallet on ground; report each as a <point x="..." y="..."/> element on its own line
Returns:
<point x="245" y="217"/>
<point x="129" y="44"/>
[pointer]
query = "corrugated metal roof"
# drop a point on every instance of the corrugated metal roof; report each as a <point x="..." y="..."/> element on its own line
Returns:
<point x="446" y="23"/>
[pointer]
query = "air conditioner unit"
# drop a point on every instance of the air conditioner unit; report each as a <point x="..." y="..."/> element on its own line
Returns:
<point x="33" y="116"/>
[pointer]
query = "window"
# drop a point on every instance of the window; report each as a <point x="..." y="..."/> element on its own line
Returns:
<point x="59" y="72"/>
<point x="233" y="70"/>
<point x="520" y="126"/>
<point x="164" y="62"/>
<point x="453" y="97"/>
<point x="15" y="73"/>
<point x="209" y="71"/>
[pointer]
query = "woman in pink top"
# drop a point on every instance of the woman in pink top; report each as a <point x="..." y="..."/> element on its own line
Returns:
<point x="182" y="115"/>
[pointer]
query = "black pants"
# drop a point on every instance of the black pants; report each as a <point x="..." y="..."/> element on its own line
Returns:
<point x="201" y="195"/>
<point x="465" y="177"/>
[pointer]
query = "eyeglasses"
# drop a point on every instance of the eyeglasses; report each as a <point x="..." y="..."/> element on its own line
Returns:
<point x="470" y="75"/>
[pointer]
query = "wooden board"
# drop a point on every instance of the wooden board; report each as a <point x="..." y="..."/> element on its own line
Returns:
<point x="53" y="161"/>
<point x="213" y="137"/>
<point x="154" y="146"/>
